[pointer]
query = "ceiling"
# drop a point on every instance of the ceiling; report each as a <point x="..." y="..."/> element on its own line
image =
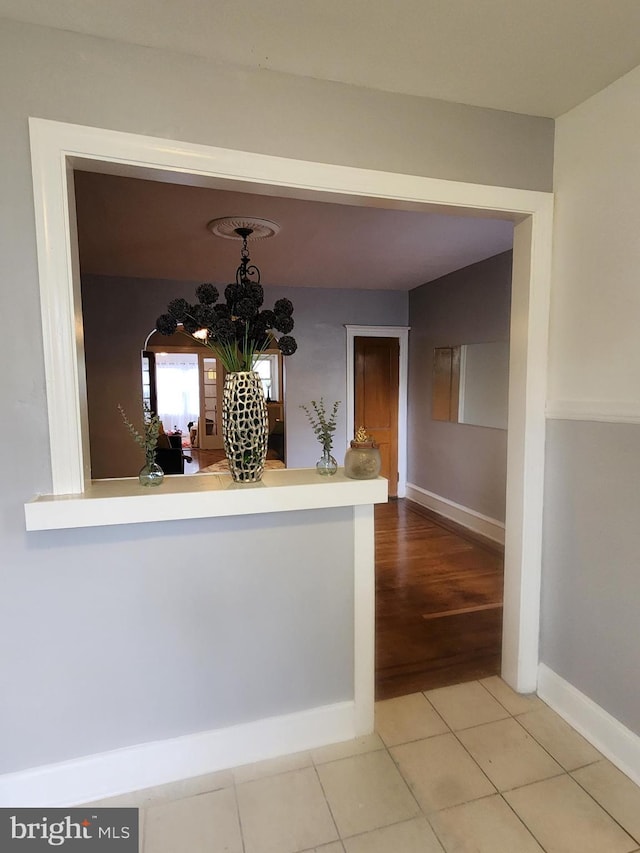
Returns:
<point x="540" y="57"/>
<point x="146" y="229"/>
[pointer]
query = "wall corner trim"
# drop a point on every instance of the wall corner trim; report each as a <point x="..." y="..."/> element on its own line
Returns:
<point x="614" y="740"/>
<point x="120" y="771"/>
<point x="603" y="411"/>
<point x="469" y="518"/>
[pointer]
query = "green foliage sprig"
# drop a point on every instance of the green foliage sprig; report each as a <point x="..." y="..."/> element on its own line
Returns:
<point x="322" y="424"/>
<point x="148" y="439"/>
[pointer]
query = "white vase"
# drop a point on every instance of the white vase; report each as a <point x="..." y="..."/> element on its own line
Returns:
<point x="245" y="425"/>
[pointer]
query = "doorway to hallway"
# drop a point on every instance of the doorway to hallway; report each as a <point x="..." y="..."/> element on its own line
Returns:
<point x="439" y="593"/>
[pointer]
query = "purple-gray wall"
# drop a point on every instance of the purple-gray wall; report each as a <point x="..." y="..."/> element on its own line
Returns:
<point x="48" y="714"/>
<point x="463" y="463"/>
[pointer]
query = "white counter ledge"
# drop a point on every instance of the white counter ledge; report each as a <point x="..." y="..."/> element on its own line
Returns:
<point x="125" y="501"/>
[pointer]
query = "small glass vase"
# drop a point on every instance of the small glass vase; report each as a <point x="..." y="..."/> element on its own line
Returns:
<point x="326" y="465"/>
<point x="151" y="474"/>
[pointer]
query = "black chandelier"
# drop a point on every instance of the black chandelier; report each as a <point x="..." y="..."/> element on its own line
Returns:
<point x="246" y="272"/>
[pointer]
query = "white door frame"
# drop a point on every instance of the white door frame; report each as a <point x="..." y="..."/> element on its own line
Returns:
<point x="402" y="334"/>
<point x="57" y="148"/>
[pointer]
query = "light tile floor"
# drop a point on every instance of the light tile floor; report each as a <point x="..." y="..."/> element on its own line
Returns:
<point x="474" y="768"/>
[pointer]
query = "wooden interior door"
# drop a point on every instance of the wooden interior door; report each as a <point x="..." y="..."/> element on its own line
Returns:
<point x="376" y="399"/>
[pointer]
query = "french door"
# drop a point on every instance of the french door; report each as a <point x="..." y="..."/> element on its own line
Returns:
<point x="211" y="385"/>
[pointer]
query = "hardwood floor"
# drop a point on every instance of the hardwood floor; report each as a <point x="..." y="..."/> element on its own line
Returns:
<point x="438" y="602"/>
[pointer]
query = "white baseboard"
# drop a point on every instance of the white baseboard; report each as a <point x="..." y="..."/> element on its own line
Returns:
<point x="95" y="777"/>
<point x="469" y="518"/>
<point x="615" y="741"/>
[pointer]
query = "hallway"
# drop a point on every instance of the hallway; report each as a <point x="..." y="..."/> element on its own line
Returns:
<point x="438" y="602"/>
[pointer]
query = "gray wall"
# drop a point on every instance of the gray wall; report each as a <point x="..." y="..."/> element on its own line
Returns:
<point x="591" y="582"/>
<point x="466" y="464"/>
<point x="72" y="77"/>
<point x="119" y="314"/>
<point x="49" y="638"/>
<point x="123" y="635"/>
<point x="591" y="546"/>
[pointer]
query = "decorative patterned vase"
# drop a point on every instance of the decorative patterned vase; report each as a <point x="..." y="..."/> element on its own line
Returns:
<point x="245" y="425"/>
<point x="326" y="465"/>
<point x="362" y="461"/>
<point x="151" y="474"/>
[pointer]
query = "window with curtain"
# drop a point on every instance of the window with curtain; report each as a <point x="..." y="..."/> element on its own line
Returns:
<point x="266" y="366"/>
<point x="178" y="390"/>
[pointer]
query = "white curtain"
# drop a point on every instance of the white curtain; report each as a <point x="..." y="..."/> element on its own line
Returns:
<point x="178" y="391"/>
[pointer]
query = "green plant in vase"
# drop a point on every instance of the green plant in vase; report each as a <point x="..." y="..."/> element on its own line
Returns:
<point x="324" y="426"/>
<point x="151" y="474"/>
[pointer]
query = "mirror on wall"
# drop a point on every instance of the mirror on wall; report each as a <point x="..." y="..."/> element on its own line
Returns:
<point x="183" y="384"/>
<point x="471" y="384"/>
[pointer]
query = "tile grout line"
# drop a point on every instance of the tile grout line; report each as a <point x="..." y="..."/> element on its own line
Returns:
<point x="516" y="717"/>
<point x="500" y="793"/>
<point x="385" y="748"/>
<point x="569" y="773"/>
<point x="421" y="816"/>
<point x="326" y="799"/>
<point x="448" y="808"/>
<point x="564" y="771"/>
<point x="423" y="812"/>
<point x="406" y="782"/>
<point x="238" y="815"/>
<point x="528" y="828"/>
<point x="543" y="747"/>
<point x="497" y="791"/>
<point x="603" y="807"/>
<point x="467" y="751"/>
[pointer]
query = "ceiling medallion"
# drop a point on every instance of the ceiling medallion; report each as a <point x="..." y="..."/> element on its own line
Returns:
<point x="243" y="227"/>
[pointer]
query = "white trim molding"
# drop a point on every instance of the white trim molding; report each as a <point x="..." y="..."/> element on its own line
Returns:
<point x="614" y="740"/>
<point x="107" y="502"/>
<point x="120" y="771"/>
<point x="528" y="351"/>
<point x="463" y="515"/>
<point x="402" y="334"/>
<point x="58" y="148"/>
<point x="364" y="608"/>
<point x="602" y="411"/>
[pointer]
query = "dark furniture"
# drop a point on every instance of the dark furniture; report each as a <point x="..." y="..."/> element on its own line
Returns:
<point x="171" y="459"/>
<point x="275" y="442"/>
